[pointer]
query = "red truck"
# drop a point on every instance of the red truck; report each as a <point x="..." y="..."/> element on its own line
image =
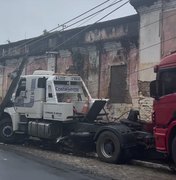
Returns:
<point x="163" y="90"/>
<point x="160" y="133"/>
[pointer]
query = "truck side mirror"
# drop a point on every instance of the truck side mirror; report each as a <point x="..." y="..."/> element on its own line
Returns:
<point x="153" y="89"/>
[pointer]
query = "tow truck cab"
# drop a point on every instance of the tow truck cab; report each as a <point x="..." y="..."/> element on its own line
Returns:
<point x="52" y="107"/>
<point x="50" y="96"/>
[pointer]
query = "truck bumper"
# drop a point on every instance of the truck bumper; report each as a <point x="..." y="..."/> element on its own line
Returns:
<point x="160" y="139"/>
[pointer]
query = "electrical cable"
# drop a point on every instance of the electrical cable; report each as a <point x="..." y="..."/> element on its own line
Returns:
<point x="74" y="22"/>
<point x="105" y="2"/>
<point x="33" y="40"/>
<point x="114" y="2"/>
<point x="147" y="48"/>
<point x="89" y="26"/>
<point x="94" y="13"/>
<point x="144" y="49"/>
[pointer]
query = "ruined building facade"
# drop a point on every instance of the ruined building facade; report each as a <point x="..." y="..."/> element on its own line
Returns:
<point x="105" y="55"/>
<point x="115" y="58"/>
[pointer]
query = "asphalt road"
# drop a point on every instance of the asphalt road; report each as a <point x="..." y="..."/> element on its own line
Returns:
<point x="13" y="166"/>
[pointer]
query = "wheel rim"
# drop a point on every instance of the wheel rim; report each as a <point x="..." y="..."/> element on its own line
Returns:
<point x="7" y="131"/>
<point x="108" y="148"/>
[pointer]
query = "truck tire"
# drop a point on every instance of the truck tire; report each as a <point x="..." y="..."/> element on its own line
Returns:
<point x="174" y="150"/>
<point x="6" y="131"/>
<point x="108" y="147"/>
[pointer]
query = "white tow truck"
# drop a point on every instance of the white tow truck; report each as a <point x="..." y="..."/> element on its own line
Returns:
<point x="48" y="106"/>
<point x="59" y="109"/>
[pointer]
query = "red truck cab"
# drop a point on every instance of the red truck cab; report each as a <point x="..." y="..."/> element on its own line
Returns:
<point x="163" y="90"/>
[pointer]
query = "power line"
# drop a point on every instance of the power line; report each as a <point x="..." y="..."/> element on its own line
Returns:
<point x="150" y="47"/>
<point x="110" y="13"/>
<point x="155" y="44"/>
<point x="157" y="21"/>
<point x="141" y="27"/>
<point x="94" y="13"/>
<point x="35" y="41"/>
<point x="139" y="50"/>
<point x="89" y="16"/>
<point x="104" y="9"/>
<point x="31" y="41"/>
<point x="68" y="22"/>
<point x="89" y="26"/>
<point x="114" y="2"/>
<point x="80" y="15"/>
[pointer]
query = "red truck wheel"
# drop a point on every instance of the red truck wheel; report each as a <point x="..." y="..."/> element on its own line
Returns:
<point x="6" y="131"/>
<point x="108" y="147"/>
<point x="174" y="150"/>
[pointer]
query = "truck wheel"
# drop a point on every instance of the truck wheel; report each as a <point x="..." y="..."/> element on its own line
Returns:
<point x="174" y="150"/>
<point x="108" y="147"/>
<point x="6" y="131"/>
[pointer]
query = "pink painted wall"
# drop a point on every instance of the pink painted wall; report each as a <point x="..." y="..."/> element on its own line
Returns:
<point x="36" y="63"/>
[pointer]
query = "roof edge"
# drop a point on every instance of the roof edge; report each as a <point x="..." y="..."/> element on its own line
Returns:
<point x="138" y="3"/>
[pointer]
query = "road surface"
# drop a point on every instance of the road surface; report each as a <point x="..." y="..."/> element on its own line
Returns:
<point x="13" y="166"/>
<point x="57" y="165"/>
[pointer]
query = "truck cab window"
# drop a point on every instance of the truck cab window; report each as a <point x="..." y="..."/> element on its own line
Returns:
<point x="41" y="82"/>
<point x="21" y="87"/>
<point x="50" y="94"/>
<point x="167" y="82"/>
<point x="60" y="97"/>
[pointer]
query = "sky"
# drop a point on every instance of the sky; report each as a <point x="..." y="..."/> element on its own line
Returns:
<point x="23" y="19"/>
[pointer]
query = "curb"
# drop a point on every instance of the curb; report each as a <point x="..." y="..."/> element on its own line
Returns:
<point x="151" y="165"/>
